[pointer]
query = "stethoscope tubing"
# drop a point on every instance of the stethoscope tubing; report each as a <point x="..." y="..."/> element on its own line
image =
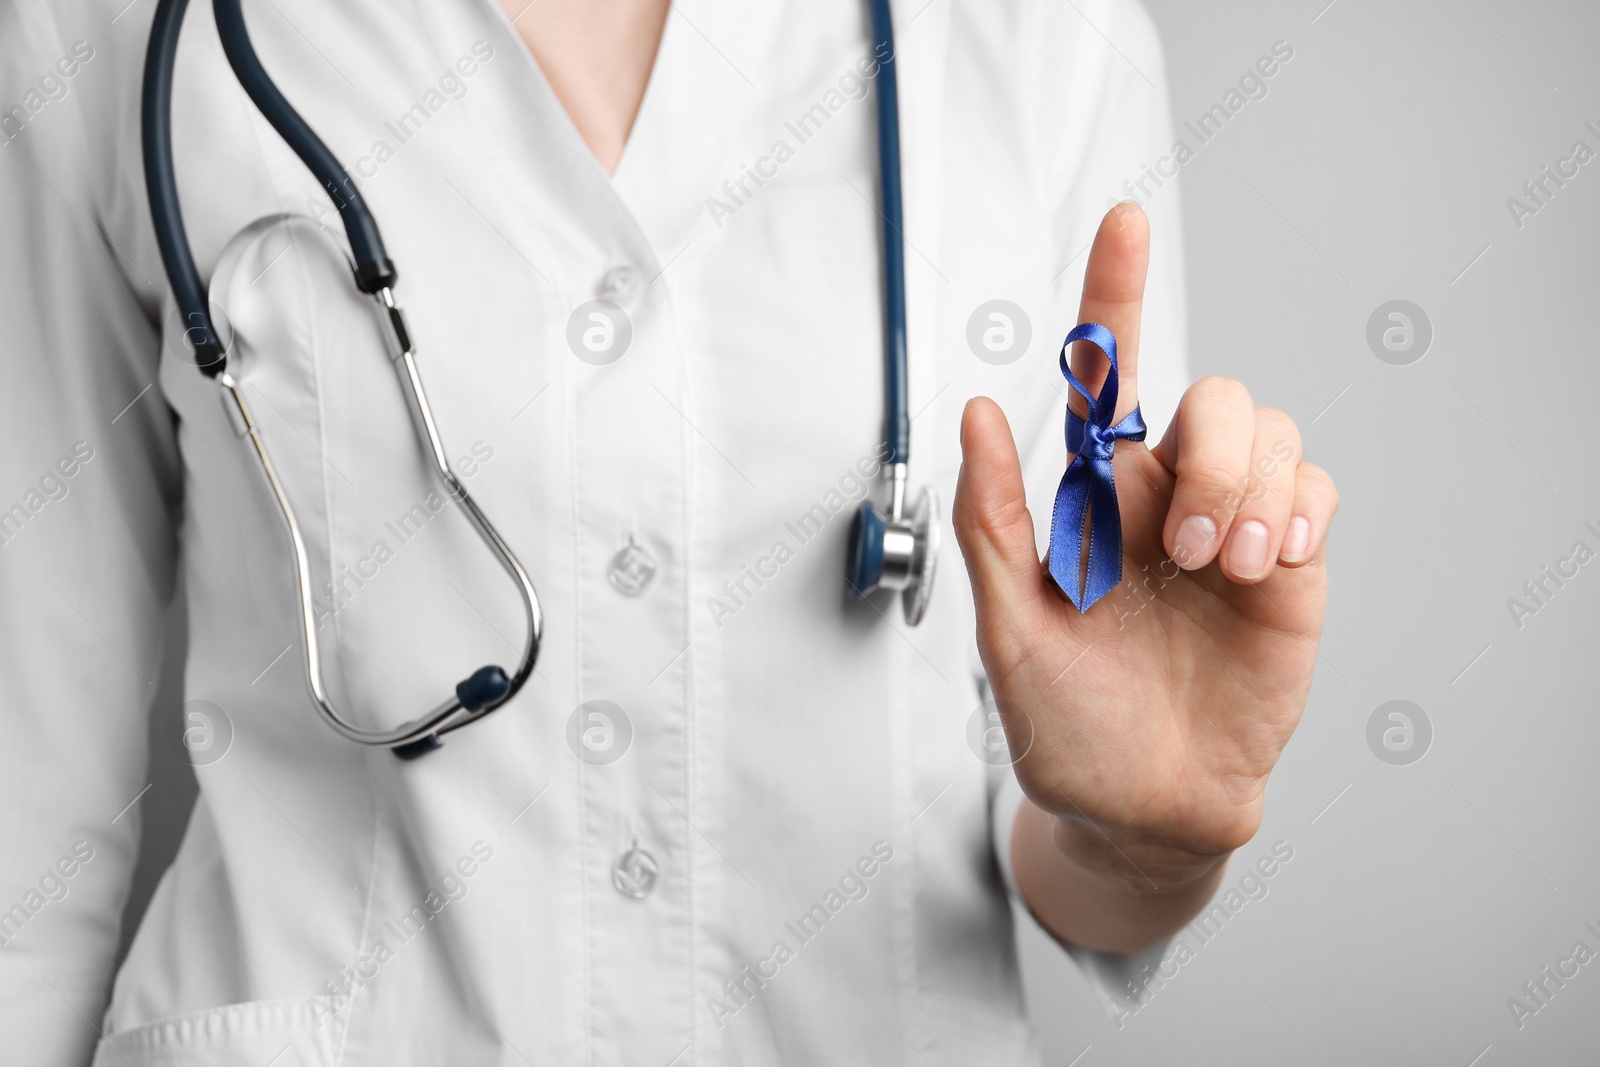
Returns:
<point x="485" y="690"/>
<point x="897" y="422"/>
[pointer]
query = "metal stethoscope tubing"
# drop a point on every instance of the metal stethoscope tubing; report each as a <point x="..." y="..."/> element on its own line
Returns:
<point x="487" y="688"/>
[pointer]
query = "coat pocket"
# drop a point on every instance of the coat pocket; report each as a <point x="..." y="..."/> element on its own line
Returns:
<point x="283" y="1033"/>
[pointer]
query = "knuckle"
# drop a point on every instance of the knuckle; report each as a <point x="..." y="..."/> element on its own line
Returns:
<point x="1319" y="482"/>
<point x="1280" y="429"/>
<point x="1214" y="483"/>
<point x="1215" y="390"/>
<point x="993" y="520"/>
<point x="1273" y="466"/>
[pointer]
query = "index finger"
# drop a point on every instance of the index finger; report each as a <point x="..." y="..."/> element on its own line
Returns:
<point x="1113" y="296"/>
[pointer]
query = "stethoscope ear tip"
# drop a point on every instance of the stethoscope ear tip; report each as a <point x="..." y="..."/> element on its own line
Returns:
<point x="479" y="691"/>
<point x="484" y="688"/>
<point x="418" y="749"/>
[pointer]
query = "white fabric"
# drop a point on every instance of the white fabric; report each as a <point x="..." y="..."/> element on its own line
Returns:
<point x="775" y="746"/>
<point x="1121" y="983"/>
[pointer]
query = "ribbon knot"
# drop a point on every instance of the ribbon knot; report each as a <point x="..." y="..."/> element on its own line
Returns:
<point x="1088" y="489"/>
<point x="1094" y="442"/>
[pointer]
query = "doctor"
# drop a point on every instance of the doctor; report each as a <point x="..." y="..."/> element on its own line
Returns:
<point x="734" y="816"/>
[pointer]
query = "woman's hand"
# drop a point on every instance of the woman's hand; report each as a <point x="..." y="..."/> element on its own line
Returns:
<point x="1144" y="730"/>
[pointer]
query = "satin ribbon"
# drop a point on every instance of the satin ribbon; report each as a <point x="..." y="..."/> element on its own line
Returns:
<point x="1090" y="485"/>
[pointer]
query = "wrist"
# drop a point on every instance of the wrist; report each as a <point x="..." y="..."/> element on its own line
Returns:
<point x="1111" y="892"/>
<point x="1136" y="863"/>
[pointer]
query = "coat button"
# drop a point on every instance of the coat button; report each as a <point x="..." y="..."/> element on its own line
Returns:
<point x="634" y="873"/>
<point x="619" y="285"/>
<point x="632" y="568"/>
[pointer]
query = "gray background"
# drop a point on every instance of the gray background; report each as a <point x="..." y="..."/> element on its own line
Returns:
<point x="1420" y="897"/>
<point x="1378" y="168"/>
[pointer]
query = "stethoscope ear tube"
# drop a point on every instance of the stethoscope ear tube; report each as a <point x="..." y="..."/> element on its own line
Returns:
<point x="484" y="690"/>
<point x="374" y="270"/>
<point x="155" y="127"/>
<point x="487" y="688"/>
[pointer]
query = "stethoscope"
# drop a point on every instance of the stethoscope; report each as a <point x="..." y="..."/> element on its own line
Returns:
<point x="895" y="551"/>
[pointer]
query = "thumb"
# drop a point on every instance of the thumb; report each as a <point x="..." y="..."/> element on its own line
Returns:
<point x="992" y="522"/>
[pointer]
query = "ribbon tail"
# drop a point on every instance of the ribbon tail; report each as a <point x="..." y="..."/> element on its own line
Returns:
<point x="1105" y="536"/>
<point x="1066" y="530"/>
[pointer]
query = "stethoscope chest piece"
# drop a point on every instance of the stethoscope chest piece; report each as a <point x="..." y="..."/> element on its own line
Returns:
<point x="901" y="553"/>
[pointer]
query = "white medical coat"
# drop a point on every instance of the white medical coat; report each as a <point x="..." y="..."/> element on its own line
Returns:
<point x="827" y="847"/>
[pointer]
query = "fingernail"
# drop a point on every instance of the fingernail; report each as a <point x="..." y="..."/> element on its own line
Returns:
<point x="1247" y="549"/>
<point x="1296" y="539"/>
<point x="1192" y="547"/>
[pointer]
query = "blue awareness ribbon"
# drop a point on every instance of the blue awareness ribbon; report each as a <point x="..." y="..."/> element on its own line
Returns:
<point x="1090" y="485"/>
